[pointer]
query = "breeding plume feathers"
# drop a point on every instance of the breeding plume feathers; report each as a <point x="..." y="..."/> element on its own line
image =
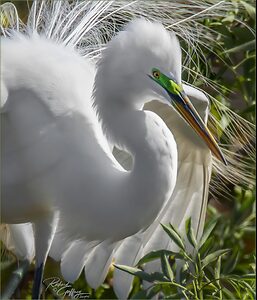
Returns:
<point x="86" y="26"/>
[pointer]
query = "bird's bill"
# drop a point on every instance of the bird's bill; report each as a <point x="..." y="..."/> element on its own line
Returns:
<point x="186" y="109"/>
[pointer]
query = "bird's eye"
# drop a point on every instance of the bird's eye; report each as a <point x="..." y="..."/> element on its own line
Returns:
<point x="156" y="74"/>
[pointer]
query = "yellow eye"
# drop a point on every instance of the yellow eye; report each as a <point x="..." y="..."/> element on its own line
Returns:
<point x="156" y="74"/>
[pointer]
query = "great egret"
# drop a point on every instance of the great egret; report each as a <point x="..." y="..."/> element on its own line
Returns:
<point x="57" y="163"/>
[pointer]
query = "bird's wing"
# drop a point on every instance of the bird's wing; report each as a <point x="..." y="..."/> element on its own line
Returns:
<point x="73" y="259"/>
<point x="94" y="256"/>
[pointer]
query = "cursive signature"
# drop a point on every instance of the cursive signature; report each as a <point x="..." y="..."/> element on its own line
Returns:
<point x="64" y="289"/>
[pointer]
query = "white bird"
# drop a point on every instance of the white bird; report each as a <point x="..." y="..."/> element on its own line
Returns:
<point x="61" y="113"/>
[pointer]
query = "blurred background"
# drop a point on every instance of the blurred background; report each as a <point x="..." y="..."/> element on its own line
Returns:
<point x="231" y="67"/>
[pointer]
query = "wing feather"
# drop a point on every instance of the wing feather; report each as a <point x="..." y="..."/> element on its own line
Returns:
<point x="74" y="259"/>
<point x="98" y="263"/>
<point x="127" y="254"/>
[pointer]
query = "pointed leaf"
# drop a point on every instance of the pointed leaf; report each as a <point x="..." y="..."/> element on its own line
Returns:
<point x="208" y="230"/>
<point x="154" y="291"/>
<point x="190" y="234"/>
<point x="213" y="256"/>
<point x="135" y="271"/>
<point x="155" y="276"/>
<point x="250" y="9"/>
<point x="249" y="276"/>
<point x="166" y="268"/>
<point x="174" y="235"/>
<point x="248" y="46"/>
<point x="231" y="262"/>
<point x="207" y="247"/>
<point x="217" y="268"/>
<point x="153" y="255"/>
<point x="183" y="274"/>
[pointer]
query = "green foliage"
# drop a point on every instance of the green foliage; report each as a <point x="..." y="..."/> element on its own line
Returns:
<point x="198" y="273"/>
<point x="232" y="64"/>
<point x="222" y="265"/>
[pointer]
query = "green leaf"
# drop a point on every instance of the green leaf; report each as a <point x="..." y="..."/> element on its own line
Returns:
<point x="229" y="18"/>
<point x="140" y="295"/>
<point x="153" y="255"/>
<point x="190" y="234"/>
<point x="184" y="273"/>
<point x="231" y="262"/>
<point x="248" y="201"/>
<point x="154" y="291"/>
<point x="250" y="9"/>
<point x="207" y="247"/>
<point x="217" y="268"/>
<point x="208" y="230"/>
<point x="243" y="47"/>
<point x="249" y="276"/>
<point x="166" y="268"/>
<point x="228" y="293"/>
<point x="213" y="256"/>
<point x="156" y="276"/>
<point x="174" y="235"/>
<point x="135" y="271"/>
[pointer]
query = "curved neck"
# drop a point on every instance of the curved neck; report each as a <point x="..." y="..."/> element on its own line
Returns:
<point x="126" y="202"/>
<point x="151" y="181"/>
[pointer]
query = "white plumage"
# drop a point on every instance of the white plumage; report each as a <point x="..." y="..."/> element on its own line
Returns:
<point x="57" y="161"/>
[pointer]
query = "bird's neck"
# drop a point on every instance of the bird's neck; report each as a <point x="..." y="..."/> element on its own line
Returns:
<point x="145" y="136"/>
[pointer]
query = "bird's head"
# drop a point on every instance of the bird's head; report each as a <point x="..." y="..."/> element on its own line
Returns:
<point x="143" y="63"/>
<point x="130" y="57"/>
